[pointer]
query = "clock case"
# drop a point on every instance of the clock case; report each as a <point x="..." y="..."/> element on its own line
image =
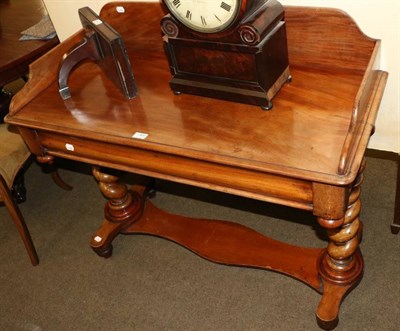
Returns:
<point x="246" y="63"/>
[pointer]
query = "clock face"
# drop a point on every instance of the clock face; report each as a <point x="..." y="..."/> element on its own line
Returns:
<point x="207" y="16"/>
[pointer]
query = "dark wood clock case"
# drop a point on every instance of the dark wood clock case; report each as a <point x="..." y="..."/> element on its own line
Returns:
<point x="246" y="63"/>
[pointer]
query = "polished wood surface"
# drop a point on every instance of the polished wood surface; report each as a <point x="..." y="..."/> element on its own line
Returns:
<point x="15" y="56"/>
<point x="307" y="102"/>
<point x="307" y="152"/>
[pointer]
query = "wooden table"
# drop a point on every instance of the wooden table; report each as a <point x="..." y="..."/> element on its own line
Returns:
<point x="306" y="153"/>
<point x="15" y="55"/>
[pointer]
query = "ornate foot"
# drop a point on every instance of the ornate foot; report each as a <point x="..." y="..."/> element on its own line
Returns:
<point x="122" y="209"/>
<point x="395" y="228"/>
<point x="340" y="265"/>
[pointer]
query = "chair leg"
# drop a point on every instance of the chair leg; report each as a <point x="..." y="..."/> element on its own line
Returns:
<point x="18" y="190"/>
<point x="50" y="166"/>
<point x="395" y="227"/>
<point x="59" y="181"/>
<point x="19" y="221"/>
<point x="5" y="99"/>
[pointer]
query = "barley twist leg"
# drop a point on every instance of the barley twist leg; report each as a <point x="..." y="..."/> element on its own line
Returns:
<point x="341" y="264"/>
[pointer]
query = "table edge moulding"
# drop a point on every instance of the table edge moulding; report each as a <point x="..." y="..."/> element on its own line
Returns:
<point x="307" y="152"/>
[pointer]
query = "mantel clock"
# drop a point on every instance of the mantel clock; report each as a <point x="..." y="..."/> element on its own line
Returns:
<point x="231" y="49"/>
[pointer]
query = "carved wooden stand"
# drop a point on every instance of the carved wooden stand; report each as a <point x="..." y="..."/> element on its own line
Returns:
<point x="333" y="271"/>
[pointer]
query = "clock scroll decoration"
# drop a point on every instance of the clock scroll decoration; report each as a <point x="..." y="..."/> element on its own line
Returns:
<point x="169" y="28"/>
<point x="240" y="46"/>
<point x="249" y="35"/>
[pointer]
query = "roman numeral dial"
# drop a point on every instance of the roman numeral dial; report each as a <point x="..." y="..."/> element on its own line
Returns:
<point x="207" y="16"/>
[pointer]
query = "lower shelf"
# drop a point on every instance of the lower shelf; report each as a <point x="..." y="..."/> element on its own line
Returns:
<point x="230" y="243"/>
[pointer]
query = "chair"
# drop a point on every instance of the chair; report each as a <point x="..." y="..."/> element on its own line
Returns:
<point x="13" y="154"/>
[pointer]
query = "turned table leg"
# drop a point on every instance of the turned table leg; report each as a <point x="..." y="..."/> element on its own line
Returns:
<point x="340" y="266"/>
<point x="122" y="209"/>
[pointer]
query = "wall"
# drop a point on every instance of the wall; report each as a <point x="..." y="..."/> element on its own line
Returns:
<point x="377" y="19"/>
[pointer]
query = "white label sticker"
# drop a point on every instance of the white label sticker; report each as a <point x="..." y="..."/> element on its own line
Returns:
<point x="120" y="9"/>
<point x="98" y="239"/>
<point x="70" y="147"/>
<point x="97" y="22"/>
<point x="140" y="135"/>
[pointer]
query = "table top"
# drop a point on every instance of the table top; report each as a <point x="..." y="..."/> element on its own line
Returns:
<point x="305" y="135"/>
<point x="15" y="17"/>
